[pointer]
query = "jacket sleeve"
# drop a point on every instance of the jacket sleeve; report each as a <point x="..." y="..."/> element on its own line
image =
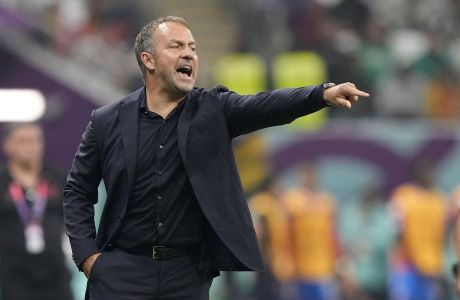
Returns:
<point x="247" y="113"/>
<point x="80" y="195"/>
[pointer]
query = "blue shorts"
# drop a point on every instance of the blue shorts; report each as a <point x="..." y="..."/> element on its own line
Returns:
<point x="317" y="290"/>
<point x="409" y="284"/>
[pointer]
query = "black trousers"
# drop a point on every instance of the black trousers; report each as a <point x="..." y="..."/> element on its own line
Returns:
<point x="120" y="275"/>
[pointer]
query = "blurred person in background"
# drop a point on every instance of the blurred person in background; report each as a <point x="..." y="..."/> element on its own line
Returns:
<point x="367" y="234"/>
<point x="375" y="57"/>
<point x="32" y="262"/>
<point x="401" y="93"/>
<point x="175" y="214"/>
<point x="416" y="260"/>
<point x="271" y="224"/>
<point x="312" y="218"/>
<point x="443" y="96"/>
<point x="455" y="201"/>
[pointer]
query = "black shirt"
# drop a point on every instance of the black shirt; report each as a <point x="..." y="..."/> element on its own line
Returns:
<point x="162" y="208"/>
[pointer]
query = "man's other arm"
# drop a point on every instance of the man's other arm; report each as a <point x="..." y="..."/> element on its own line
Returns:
<point x="80" y="195"/>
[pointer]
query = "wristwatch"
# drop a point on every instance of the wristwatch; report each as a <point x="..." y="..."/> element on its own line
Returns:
<point x="455" y="268"/>
<point x="326" y="85"/>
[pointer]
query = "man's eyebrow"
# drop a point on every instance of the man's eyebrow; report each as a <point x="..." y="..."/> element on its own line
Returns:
<point x="182" y="42"/>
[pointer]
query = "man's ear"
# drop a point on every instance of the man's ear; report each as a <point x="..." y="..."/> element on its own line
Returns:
<point x="148" y="60"/>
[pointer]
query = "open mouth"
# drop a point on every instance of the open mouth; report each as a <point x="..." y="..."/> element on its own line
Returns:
<point x="187" y="70"/>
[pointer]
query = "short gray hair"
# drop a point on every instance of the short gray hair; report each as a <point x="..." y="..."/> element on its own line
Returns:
<point x="145" y="41"/>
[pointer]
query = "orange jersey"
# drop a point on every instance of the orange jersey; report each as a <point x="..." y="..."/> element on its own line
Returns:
<point x="312" y="216"/>
<point x="277" y="251"/>
<point x="454" y="206"/>
<point x="423" y="215"/>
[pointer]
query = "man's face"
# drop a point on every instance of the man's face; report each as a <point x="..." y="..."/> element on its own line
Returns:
<point x="175" y="58"/>
<point x="25" y="145"/>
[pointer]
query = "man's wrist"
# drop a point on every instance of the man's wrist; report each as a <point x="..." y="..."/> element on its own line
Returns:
<point x="327" y="85"/>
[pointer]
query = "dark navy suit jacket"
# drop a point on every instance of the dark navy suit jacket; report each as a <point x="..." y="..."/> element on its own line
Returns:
<point x="209" y="121"/>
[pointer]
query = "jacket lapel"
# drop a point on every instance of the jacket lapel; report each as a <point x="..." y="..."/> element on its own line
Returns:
<point x="129" y="123"/>
<point x="183" y="126"/>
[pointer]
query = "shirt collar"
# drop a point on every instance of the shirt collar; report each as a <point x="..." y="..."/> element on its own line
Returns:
<point x="143" y="104"/>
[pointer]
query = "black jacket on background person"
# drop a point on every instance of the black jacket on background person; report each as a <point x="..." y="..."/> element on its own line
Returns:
<point x="26" y="275"/>
<point x="209" y="121"/>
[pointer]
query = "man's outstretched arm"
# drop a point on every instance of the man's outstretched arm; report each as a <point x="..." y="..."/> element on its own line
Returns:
<point x="247" y="113"/>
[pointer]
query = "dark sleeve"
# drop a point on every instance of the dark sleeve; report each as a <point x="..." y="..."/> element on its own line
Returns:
<point x="247" y="113"/>
<point x="80" y="195"/>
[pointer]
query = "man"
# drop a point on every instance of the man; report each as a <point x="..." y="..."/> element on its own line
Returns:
<point x="367" y="233"/>
<point x="312" y="214"/>
<point x="416" y="262"/>
<point x="175" y="213"/>
<point x="271" y="224"/>
<point x="455" y="219"/>
<point x="32" y="263"/>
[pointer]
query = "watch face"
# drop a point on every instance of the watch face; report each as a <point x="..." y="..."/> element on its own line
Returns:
<point x="327" y="85"/>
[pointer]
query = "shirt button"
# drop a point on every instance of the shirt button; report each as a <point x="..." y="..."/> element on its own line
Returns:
<point x="159" y="172"/>
<point x="161" y="146"/>
<point x="160" y="224"/>
<point x="159" y="197"/>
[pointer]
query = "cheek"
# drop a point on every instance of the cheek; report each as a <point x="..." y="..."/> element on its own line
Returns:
<point x="164" y="66"/>
<point x="31" y="149"/>
<point x="21" y="153"/>
<point x="38" y="150"/>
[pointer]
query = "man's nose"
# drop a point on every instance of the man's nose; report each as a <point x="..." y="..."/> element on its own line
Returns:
<point x="187" y="53"/>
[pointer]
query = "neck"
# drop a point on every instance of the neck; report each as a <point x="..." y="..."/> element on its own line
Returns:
<point x="28" y="175"/>
<point x="311" y="187"/>
<point x="161" y="101"/>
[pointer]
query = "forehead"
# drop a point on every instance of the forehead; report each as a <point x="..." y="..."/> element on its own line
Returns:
<point x="25" y="131"/>
<point x="174" y="31"/>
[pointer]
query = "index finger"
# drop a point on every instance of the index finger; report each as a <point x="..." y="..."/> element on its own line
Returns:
<point x="357" y="92"/>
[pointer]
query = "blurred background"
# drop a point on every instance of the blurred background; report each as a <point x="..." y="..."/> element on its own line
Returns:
<point x="406" y="53"/>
